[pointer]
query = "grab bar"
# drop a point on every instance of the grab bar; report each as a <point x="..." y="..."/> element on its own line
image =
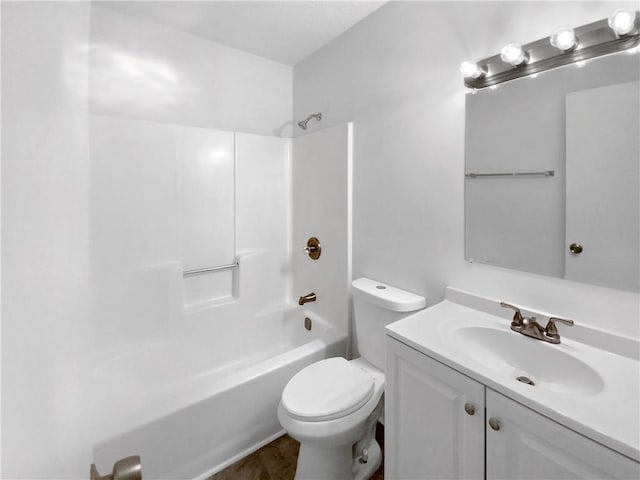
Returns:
<point x="545" y="173"/>
<point x="186" y="273"/>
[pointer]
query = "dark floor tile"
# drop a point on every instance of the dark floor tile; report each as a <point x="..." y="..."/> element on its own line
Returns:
<point x="279" y="458"/>
<point x="249" y="468"/>
<point x="277" y="461"/>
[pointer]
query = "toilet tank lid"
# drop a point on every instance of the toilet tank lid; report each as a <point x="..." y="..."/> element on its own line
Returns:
<point x="386" y="296"/>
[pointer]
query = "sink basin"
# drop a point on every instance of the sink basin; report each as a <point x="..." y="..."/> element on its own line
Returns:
<point x="511" y="354"/>
<point x="589" y="383"/>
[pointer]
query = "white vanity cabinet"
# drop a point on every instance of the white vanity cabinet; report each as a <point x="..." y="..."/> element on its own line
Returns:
<point x="440" y="424"/>
<point x="528" y="445"/>
<point x="428" y="432"/>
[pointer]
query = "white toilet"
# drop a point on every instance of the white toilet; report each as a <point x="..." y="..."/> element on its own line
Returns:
<point x="331" y="407"/>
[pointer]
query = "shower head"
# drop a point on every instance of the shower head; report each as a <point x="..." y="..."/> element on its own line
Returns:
<point x="303" y="124"/>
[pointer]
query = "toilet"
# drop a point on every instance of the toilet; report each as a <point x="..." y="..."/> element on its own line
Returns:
<point x="332" y="406"/>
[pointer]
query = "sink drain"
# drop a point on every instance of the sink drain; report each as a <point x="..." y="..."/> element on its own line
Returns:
<point x="526" y="380"/>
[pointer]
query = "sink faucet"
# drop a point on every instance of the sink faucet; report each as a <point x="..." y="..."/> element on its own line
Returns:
<point x="530" y="327"/>
<point x="309" y="297"/>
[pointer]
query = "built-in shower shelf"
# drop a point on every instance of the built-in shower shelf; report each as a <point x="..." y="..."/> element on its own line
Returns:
<point x="210" y="286"/>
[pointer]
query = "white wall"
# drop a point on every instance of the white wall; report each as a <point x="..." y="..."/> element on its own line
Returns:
<point x="395" y="75"/>
<point x="144" y="70"/>
<point x="322" y="195"/>
<point x="46" y="332"/>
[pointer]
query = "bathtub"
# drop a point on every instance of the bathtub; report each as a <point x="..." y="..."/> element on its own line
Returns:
<point x="187" y="420"/>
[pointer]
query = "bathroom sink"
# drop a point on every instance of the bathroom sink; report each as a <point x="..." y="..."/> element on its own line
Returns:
<point x="529" y="361"/>
<point x="590" y="382"/>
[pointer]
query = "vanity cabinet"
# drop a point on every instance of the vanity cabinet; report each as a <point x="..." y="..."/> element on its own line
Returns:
<point x="428" y="432"/>
<point x="528" y="445"/>
<point x="442" y="424"/>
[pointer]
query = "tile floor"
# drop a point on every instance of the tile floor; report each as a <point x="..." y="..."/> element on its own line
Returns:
<point x="277" y="461"/>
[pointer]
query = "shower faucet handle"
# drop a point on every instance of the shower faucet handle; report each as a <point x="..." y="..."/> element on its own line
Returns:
<point x="313" y="248"/>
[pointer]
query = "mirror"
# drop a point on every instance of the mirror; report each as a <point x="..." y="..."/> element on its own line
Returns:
<point x="552" y="183"/>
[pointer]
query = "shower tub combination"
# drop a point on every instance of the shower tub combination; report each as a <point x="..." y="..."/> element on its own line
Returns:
<point x="189" y="421"/>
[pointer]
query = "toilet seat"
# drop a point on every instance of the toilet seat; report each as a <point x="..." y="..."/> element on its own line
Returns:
<point x="327" y="390"/>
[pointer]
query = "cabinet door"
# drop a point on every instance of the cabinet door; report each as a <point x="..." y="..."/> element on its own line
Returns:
<point x="428" y="433"/>
<point x="531" y="446"/>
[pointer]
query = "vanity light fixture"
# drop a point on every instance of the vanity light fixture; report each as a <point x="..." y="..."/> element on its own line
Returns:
<point x="564" y="39"/>
<point x="617" y="33"/>
<point x="471" y="70"/>
<point x="622" y="21"/>
<point x="514" y="54"/>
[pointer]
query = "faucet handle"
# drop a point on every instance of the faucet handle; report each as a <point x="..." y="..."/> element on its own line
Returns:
<point x="551" y="331"/>
<point x="313" y="248"/>
<point x="517" y="316"/>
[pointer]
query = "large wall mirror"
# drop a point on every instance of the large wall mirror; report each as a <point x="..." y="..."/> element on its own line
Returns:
<point x="574" y="132"/>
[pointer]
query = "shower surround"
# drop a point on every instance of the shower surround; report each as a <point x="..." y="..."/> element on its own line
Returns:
<point x="189" y="367"/>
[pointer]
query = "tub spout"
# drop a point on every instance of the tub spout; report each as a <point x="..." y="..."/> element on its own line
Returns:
<point x="309" y="297"/>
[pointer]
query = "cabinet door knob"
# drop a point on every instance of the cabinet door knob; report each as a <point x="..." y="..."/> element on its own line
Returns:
<point x="469" y="408"/>
<point x="494" y="424"/>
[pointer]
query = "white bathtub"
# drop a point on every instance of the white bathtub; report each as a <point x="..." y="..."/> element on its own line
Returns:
<point x="188" y="420"/>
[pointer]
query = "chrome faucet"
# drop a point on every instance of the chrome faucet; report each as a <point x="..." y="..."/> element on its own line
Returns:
<point x="530" y="327"/>
<point x="309" y="297"/>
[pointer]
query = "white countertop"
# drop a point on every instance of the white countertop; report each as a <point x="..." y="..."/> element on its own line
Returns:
<point x="609" y="414"/>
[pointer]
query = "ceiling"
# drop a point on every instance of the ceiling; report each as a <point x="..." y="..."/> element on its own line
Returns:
<point x="283" y="31"/>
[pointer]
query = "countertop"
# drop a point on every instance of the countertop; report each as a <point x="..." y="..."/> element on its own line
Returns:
<point x="610" y="414"/>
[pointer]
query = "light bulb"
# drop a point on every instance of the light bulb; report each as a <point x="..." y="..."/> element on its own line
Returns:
<point x="564" y="39"/>
<point x="513" y="54"/>
<point x="622" y="21"/>
<point x="471" y="70"/>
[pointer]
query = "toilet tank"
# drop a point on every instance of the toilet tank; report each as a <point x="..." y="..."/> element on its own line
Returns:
<point x="375" y="305"/>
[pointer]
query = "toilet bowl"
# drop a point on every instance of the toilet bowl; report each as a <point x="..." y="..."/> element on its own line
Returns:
<point x="332" y="406"/>
<point x="328" y="407"/>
